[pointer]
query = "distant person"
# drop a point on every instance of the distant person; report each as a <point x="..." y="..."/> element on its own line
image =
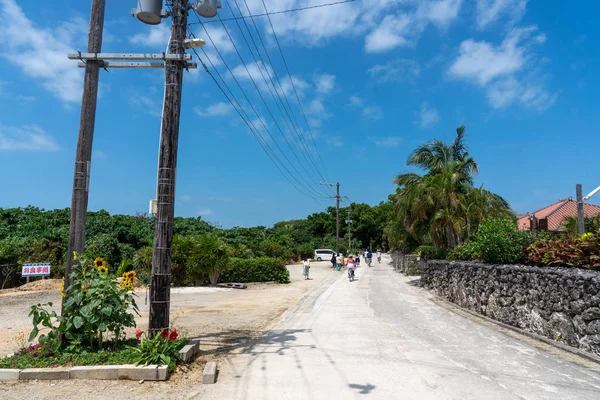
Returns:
<point x="350" y="266"/>
<point x="333" y="261"/>
<point x="379" y="256"/>
<point x="340" y="261"/>
<point x="357" y="260"/>
<point x="306" y="265"/>
<point x="369" y="257"/>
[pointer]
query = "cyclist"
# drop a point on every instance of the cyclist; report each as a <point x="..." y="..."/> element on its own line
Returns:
<point x="379" y="256"/>
<point x="357" y="260"/>
<point x="369" y="257"/>
<point x="350" y="266"/>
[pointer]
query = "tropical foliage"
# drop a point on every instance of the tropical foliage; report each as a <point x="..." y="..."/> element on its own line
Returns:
<point x="581" y="252"/>
<point x="441" y="206"/>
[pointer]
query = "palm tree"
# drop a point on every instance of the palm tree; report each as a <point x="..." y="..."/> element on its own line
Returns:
<point x="442" y="205"/>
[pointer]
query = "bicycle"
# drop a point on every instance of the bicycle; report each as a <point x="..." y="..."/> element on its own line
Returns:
<point x="351" y="274"/>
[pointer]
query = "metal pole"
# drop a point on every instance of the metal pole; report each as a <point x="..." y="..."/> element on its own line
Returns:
<point x="580" y="219"/>
<point x="160" y="285"/>
<point x="83" y="155"/>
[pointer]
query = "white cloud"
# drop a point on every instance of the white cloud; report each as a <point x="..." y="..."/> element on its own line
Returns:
<point x="325" y="83"/>
<point x="389" y="141"/>
<point x="496" y="68"/>
<point x="41" y="53"/>
<point x="204" y="211"/>
<point x="396" y="70"/>
<point x="391" y="33"/>
<point x="369" y="111"/>
<point x="185" y="197"/>
<point x="214" y="110"/>
<point x="427" y="116"/>
<point x="335" y="141"/>
<point x="354" y="100"/>
<point x="372" y="112"/>
<point x="98" y="154"/>
<point x="146" y="104"/>
<point x="440" y="12"/>
<point x="26" y="138"/>
<point x="489" y="11"/>
<point x="152" y="36"/>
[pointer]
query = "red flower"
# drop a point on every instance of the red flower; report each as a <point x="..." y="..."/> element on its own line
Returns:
<point x="164" y="334"/>
<point x="138" y="334"/>
<point x="173" y="335"/>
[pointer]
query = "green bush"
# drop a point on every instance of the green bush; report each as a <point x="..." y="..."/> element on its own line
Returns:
<point x="262" y="269"/>
<point x="580" y="252"/>
<point x="499" y="241"/>
<point x="426" y="252"/>
<point x="463" y="252"/>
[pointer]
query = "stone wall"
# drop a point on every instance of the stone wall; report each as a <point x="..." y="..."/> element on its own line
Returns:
<point x="402" y="262"/>
<point x="560" y="303"/>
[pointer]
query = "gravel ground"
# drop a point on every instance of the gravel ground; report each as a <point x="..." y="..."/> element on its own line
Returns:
<point x="225" y="319"/>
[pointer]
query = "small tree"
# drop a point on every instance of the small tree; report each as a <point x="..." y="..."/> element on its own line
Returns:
<point x="209" y="255"/>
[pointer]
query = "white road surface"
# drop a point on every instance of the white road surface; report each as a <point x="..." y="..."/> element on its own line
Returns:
<point x="381" y="337"/>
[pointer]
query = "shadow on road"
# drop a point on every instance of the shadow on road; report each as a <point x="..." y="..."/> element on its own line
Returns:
<point x="415" y="283"/>
<point x="363" y="389"/>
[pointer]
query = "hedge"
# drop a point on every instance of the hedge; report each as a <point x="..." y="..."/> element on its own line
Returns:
<point x="262" y="269"/>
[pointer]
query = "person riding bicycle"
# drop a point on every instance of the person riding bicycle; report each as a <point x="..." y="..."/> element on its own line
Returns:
<point x="369" y="257"/>
<point x="378" y="256"/>
<point x="357" y="260"/>
<point x="350" y="266"/>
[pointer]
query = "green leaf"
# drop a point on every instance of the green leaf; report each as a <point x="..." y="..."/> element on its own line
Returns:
<point x="78" y="322"/>
<point x="107" y="310"/>
<point x="33" y="334"/>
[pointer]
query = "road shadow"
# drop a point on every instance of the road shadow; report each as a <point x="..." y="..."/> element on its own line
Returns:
<point x="362" y="389"/>
<point x="415" y="283"/>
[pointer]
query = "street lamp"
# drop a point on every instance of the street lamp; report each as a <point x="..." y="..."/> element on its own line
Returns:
<point x="207" y="8"/>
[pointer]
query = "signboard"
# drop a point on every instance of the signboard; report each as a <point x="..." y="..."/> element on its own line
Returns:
<point x="36" y="270"/>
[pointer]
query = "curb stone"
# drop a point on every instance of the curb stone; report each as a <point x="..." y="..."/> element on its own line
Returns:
<point x="95" y="372"/>
<point x="9" y="374"/>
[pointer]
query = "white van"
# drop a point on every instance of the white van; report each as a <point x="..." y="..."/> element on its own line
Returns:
<point x="323" y="254"/>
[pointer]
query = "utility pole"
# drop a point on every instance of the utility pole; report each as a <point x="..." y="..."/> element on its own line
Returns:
<point x="83" y="156"/>
<point x="349" y="222"/>
<point x="580" y="219"/>
<point x="337" y="214"/>
<point x="160" y="284"/>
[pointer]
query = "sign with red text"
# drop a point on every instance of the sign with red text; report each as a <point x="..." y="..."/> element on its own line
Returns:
<point x="36" y="270"/>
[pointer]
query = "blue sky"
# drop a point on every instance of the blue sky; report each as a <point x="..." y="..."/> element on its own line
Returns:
<point x="375" y="79"/>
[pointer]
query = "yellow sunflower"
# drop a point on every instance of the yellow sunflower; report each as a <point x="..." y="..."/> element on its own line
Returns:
<point x="102" y="269"/>
<point x="99" y="262"/>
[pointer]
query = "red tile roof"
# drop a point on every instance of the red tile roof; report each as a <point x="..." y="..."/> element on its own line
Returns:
<point x="557" y="212"/>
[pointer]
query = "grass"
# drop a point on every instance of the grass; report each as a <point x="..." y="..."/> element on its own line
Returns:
<point x="121" y="355"/>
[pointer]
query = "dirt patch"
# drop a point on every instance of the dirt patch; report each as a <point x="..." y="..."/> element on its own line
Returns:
<point x="226" y="321"/>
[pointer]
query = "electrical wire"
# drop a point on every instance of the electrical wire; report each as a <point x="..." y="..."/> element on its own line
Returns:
<point x="294" y="87"/>
<point x="270" y="152"/>
<point x="264" y="66"/>
<point x="296" y="126"/>
<point x="306" y="183"/>
<point x="285" y="11"/>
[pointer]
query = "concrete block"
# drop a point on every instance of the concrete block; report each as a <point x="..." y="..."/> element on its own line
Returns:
<point x="44" y="373"/>
<point x="147" y="373"/>
<point x="9" y="374"/>
<point x="95" y="372"/>
<point x="195" y="342"/>
<point x="210" y="373"/>
<point x="188" y="353"/>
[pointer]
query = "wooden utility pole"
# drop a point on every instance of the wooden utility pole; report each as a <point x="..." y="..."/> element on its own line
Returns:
<point x="349" y="222"/>
<point x="83" y="157"/>
<point x="580" y="219"/>
<point x="160" y="285"/>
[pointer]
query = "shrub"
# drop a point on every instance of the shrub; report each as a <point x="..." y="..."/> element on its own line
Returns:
<point x="208" y="256"/>
<point x="270" y="248"/>
<point x="581" y="252"/>
<point x="463" y="252"/>
<point x="499" y="241"/>
<point x="262" y="269"/>
<point x="163" y="348"/>
<point x="426" y="252"/>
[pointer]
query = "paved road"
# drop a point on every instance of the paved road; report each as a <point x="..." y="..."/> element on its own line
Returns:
<point x="381" y="337"/>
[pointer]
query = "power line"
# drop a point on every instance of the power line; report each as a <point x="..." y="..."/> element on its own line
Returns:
<point x="307" y="190"/>
<point x="264" y="66"/>
<point x="296" y="126"/>
<point x="283" y="11"/>
<point x="308" y="185"/>
<point x="246" y="120"/>
<point x="294" y="87"/>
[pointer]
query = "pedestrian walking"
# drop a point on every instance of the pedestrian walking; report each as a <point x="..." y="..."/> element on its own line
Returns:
<point x="333" y="261"/>
<point x="306" y="265"/>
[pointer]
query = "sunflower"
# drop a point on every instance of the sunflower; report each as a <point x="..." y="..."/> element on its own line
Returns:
<point x="99" y="262"/>
<point x="102" y="269"/>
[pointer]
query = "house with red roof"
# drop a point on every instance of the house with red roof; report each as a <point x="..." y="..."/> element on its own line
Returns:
<point x="552" y="217"/>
